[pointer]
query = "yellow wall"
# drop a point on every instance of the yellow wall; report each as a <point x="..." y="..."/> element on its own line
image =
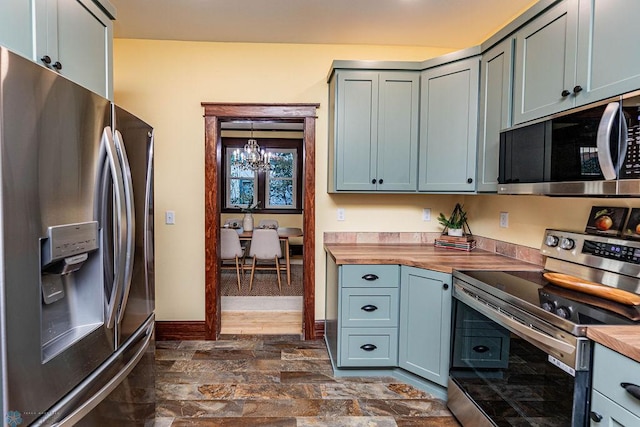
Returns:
<point x="164" y="82"/>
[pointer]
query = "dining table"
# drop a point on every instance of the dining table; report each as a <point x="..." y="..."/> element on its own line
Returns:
<point x="284" y="233"/>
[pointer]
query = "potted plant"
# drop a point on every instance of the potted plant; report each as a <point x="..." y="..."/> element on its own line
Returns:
<point x="456" y="224"/>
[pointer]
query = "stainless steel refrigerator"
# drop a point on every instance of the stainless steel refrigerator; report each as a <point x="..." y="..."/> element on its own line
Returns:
<point x="76" y="254"/>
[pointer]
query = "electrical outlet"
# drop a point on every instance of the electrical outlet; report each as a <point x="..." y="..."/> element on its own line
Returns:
<point x="170" y="217"/>
<point x="504" y="219"/>
<point x="340" y="214"/>
<point x="426" y="214"/>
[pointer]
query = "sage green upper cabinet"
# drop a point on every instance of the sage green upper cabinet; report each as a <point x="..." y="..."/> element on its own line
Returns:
<point x="448" y="127"/>
<point x="16" y="26"/>
<point x="545" y="66"/>
<point x="608" y="60"/>
<point x="579" y="51"/>
<point x="375" y="130"/>
<point x="75" y="38"/>
<point x="425" y="323"/>
<point x="495" y="110"/>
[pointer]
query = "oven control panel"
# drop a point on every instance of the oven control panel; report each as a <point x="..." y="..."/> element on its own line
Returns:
<point x="612" y="251"/>
<point x="608" y="253"/>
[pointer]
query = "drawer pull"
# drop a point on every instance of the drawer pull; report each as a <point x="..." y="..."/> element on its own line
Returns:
<point x="632" y="389"/>
<point x="368" y="347"/>
<point x="595" y="417"/>
<point x="481" y="349"/>
<point x="370" y="277"/>
<point x="368" y="308"/>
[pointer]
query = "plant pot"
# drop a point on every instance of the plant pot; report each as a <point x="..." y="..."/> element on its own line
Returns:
<point x="247" y="222"/>
<point x="457" y="232"/>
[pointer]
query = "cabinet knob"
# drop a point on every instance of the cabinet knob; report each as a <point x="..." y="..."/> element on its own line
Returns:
<point x="373" y="181"/>
<point x="577" y="89"/>
<point x="565" y="93"/>
<point x="369" y="308"/>
<point x="380" y="181"/>
<point x="368" y="347"/>
<point x="632" y="389"/>
<point x="445" y="286"/>
<point x="46" y="59"/>
<point x="57" y="65"/>
<point x="469" y="180"/>
<point x="370" y="277"/>
<point x="595" y="417"/>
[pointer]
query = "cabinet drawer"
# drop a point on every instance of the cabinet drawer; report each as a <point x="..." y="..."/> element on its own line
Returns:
<point x="610" y="369"/>
<point x="385" y="276"/>
<point x="369" y="347"/>
<point x="363" y="307"/>
<point x="611" y="413"/>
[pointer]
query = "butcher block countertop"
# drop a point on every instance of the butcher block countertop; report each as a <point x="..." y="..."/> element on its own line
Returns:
<point x="424" y="256"/>
<point x="623" y="339"/>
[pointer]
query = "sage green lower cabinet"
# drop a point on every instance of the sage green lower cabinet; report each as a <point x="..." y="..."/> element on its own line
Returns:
<point x="425" y="323"/>
<point x="611" y="403"/>
<point x="365" y="333"/>
<point x="389" y="320"/>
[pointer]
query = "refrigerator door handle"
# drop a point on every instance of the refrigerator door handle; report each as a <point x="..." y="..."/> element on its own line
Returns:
<point x="148" y="201"/>
<point x="130" y="222"/>
<point x="119" y="215"/>
<point x="143" y="336"/>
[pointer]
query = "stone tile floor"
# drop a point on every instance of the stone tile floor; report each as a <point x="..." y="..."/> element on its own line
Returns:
<point x="281" y="381"/>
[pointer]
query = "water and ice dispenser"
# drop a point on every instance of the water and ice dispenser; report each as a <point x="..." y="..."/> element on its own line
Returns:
<point x="72" y="285"/>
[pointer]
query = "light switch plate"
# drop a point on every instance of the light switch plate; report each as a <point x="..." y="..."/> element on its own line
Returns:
<point x="170" y="217"/>
<point x="426" y="214"/>
<point x="340" y="214"/>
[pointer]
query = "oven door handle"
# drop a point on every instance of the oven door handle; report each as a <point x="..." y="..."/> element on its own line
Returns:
<point x="540" y="339"/>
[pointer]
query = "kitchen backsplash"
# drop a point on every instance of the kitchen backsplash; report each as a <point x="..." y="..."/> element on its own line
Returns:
<point x="511" y="250"/>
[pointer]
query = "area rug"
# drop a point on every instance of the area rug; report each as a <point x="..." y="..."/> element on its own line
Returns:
<point x="265" y="283"/>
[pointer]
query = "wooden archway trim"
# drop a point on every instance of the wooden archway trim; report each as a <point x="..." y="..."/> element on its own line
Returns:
<point x="214" y="113"/>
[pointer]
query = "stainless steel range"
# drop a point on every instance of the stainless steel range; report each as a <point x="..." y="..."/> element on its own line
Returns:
<point x="520" y="355"/>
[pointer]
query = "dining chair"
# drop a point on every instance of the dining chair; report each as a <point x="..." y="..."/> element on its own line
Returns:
<point x="231" y="250"/>
<point x="265" y="246"/>
<point x="268" y="223"/>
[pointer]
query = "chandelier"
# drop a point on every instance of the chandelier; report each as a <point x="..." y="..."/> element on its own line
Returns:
<point x="252" y="157"/>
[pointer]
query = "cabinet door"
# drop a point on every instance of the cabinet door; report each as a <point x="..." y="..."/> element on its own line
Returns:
<point x="546" y="63"/>
<point x="16" y="26"/>
<point x="77" y="35"/>
<point x="84" y="45"/>
<point x="448" y="127"/>
<point x="356" y="130"/>
<point x="398" y="131"/>
<point x="607" y="65"/>
<point x="425" y="323"/>
<point x="495" y="110"/>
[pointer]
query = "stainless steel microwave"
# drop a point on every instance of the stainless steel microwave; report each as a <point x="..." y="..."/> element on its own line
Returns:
<point x="589" y="151"/>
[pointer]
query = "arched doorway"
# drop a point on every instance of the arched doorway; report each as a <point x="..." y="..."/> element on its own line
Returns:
<point x="214" y="115"/>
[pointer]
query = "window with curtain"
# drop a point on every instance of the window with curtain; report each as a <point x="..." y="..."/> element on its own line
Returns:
<point x="278" y="190"/>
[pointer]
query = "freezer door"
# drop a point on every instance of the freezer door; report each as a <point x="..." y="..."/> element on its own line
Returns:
<point x="121" y="392"/>
<point x="134" y="138"/>
<point x="53" y="298"/>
